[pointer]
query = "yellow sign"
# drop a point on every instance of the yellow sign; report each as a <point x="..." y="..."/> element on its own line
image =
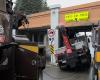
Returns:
<point x="77" y="16"/>
<point x="97" y="57"/>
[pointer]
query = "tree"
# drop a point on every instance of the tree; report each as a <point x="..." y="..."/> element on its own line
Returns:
<point x="31" y="6"/>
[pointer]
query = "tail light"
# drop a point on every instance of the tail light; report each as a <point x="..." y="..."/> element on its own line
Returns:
<point x="2" y="38"/>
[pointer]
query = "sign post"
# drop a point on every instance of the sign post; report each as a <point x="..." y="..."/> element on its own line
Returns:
<point x="53" y="32"/>
<point x="51" y="37"/>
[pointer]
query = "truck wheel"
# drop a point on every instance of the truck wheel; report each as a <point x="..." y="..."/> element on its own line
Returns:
<point x="95" y="74"/>
<point x="95" y="77"/>
<point x="88" y="64"/>
<point x="89" y="60"/>
<point x="39" y="75"/>
<point x="73" y="65"/>
<point x="63" y="67"/>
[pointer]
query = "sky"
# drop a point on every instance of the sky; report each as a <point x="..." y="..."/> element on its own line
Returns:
<point x="67" y="3"/>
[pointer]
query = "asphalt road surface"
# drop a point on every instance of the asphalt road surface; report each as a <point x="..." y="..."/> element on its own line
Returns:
<point x="54" y="73"/>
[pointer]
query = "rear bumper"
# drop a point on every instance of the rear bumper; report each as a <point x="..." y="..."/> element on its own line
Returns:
<point x="74" y="60"/>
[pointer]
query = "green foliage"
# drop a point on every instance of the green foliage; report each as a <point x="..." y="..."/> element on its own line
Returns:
<point x="30" y="6"/>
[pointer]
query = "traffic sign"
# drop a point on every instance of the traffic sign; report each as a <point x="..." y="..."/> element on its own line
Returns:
<point x="51" y="32"/>
<point x="51" y="49"/>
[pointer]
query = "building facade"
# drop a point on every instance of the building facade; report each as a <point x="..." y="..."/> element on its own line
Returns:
<point x="75" y="16"/>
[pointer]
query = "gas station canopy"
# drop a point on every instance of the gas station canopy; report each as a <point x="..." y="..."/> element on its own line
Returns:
<point x="81" y="15"/>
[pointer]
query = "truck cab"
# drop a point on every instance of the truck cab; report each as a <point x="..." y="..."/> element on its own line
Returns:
<point x="80" y="55"/>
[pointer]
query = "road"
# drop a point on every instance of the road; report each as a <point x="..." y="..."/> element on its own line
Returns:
<point x="54" y="73"/>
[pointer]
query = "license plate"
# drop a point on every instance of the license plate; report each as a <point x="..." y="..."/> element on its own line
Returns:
<point x="64" y="61"/>
<point x="84" y="60"/>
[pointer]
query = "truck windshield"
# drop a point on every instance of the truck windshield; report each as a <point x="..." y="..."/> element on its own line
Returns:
<point x="78" y="41"/>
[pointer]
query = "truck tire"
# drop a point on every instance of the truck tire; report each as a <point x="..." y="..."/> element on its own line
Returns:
<point x="95" y="77"/>
<point x="89" y="63"/>
<point x="63" y="67"/>
<point x="95" y="74"/>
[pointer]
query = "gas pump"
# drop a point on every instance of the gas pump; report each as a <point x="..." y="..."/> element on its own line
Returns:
<point x="19" y="58"/>
<point x="96" y="58"/>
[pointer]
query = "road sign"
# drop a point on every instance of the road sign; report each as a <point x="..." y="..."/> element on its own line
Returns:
<point x="51" y="32"/>
<point x="77" y="16"/>
<point x="51" y="36"/>
<point x="51" y="49"/>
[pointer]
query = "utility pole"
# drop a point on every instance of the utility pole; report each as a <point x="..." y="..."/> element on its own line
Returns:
<point x="54" y="25"/>
<point x="2" y="6"/>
